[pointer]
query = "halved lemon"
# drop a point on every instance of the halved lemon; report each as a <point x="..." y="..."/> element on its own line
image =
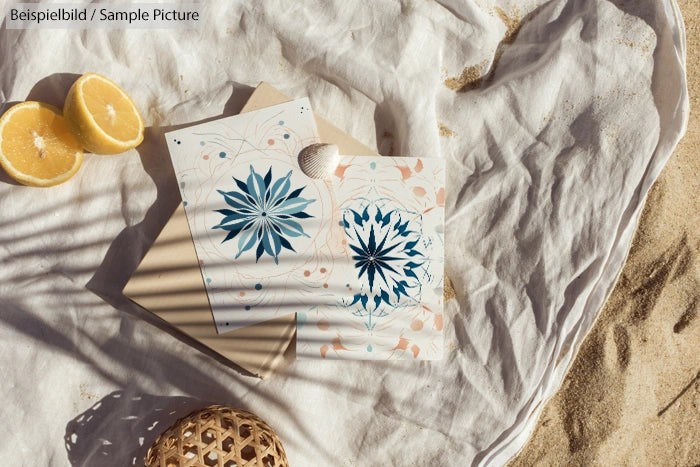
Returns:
<point x="36" y="146"/>
<point x="103" y="118"/>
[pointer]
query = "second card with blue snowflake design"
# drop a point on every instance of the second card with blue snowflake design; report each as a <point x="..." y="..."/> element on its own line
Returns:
<point x="358" y="257"/>
<point x="392" y="213"/>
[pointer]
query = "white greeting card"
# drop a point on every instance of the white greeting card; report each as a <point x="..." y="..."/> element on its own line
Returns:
<point x="268" y="238"/>
<point x="392" y="211"/>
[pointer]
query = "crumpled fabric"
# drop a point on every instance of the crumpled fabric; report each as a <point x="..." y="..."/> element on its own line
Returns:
<point x="554" y="120"/>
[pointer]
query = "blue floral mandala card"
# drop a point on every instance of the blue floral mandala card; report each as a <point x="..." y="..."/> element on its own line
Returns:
<point x="392" y="214"/>
<point x="268" y="238"/>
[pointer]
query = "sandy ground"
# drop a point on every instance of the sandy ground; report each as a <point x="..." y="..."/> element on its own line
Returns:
<point x="632" y="395"/>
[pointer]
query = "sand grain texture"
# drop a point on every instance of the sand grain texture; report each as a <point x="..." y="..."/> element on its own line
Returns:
<point x="632" y="395"/>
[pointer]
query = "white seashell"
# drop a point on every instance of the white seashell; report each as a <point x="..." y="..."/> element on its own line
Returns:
<point x="319" y="160"/>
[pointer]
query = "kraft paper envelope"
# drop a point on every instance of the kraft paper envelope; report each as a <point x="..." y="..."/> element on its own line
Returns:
<point x="168" y="281"/>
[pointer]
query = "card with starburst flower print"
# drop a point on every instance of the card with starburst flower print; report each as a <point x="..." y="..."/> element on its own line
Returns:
<point x="392" y="211"/>
<point x="268" y="238"/>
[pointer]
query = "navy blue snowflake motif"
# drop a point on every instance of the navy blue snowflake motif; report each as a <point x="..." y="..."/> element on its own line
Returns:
<point x="263" y="213"/>
<point x="386" y="253"/>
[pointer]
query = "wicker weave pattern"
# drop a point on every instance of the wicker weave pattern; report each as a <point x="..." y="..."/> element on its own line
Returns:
<point x="218" y="436"/>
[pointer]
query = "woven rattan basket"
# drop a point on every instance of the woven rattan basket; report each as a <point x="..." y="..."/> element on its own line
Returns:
<point x="218" y="436"/>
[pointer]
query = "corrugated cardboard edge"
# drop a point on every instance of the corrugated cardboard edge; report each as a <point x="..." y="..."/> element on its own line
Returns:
<point x="168" y="281"/>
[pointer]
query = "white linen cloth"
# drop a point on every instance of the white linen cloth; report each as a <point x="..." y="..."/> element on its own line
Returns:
<point x="548" y="168"/>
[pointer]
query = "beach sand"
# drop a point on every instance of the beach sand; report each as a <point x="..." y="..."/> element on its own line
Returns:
<point x="632" y="394"/>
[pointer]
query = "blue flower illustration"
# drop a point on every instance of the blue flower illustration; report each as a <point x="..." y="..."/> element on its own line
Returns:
<point x="386" y="251"/>
<point x="263" y="213"/>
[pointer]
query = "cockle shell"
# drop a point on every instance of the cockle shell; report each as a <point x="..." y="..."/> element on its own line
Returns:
<point x="319" y="160"/>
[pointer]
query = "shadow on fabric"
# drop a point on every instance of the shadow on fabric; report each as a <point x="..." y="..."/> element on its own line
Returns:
<point x="119" y="429"/>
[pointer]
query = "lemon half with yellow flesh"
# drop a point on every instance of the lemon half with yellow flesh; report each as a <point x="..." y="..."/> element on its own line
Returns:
<point x="103" y="118"/>
<point x="36" y="146"/>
